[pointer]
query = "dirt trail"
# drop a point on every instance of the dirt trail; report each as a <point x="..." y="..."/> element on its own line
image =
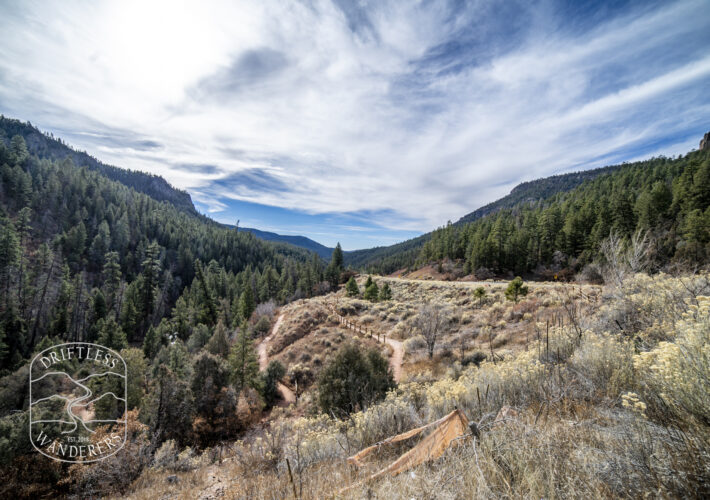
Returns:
<point x="397" y="357"/>
<point x="397" y="349"/>
<point x="470" y="284"/>
<point x="286" y="394"/>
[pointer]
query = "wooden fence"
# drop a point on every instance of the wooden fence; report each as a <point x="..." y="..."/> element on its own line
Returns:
<point x="355" y="326"/>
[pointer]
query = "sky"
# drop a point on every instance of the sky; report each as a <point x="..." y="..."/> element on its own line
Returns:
<point x="364" y="122"/>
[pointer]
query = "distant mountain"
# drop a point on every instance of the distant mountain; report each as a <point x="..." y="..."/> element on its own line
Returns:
<point x="300" y="241"/>
<point x="47" y="147"/>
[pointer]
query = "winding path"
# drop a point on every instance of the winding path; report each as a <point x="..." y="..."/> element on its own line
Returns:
<point x="286" y="394"/>
<point x="397" y="357"/>
<point x="397" y="349"/>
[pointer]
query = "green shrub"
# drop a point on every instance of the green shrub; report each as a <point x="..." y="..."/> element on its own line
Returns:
<point x="353" y="381"/>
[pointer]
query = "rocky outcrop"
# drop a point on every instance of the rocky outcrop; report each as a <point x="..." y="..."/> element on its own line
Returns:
<point x="705" y="142"/>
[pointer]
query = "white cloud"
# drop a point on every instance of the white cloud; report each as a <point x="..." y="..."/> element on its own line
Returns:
<point x="350" y="110"/>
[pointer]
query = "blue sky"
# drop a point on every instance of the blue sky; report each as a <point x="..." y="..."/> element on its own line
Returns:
<point x="365" y="122"/>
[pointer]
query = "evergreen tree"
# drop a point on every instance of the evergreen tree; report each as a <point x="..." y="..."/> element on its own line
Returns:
<point x="100" y="246"/>
<point x="208" y="307"/>
<point x="111" y="335"/>
<point x="269" y="384"/>
<point x="171" y="406"/>
<point x="129" y="318"/>
<point x="516" y="289"/>
<point x="148" y="289"/>
<point x="337" y="257"/>
<point x="199" y="338"/>
<point x="219" y="343"/>
<point x="9" y="255"/>
<point x="111" y="279"/>
<point x="18" y="150"/>
<point x="243" y="361"/>
<point x="247" y="304"/>
<point x="352" y="381"/>
<point x="386" y="292"/>
<point x="137" y="369"/>
<point x="480" y="294"/>
<point x="371" y="292"/>
<point x="352" y="288"/>
<point x="152" y="343"/>
<point x="335" y="267"/>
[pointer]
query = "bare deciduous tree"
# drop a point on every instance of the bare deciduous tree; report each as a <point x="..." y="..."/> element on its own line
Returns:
<point x="430" y="322"/>
<point x="639" y="252"/>
<point x="615" y="269"/>
<point x="625" y="258"/>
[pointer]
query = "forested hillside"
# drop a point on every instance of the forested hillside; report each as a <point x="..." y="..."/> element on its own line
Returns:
<point x="47" y="146"/>
<point x="86" y="258"/>
<point x="80" y="251"/>
<point x="550" y="230"/>
<point x="540" y="189"/>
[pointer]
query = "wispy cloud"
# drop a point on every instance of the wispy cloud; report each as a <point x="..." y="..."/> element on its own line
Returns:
<point x="401" y="114"/>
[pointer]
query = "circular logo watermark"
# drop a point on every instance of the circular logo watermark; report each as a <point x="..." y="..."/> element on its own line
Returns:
<point x="77" y="402"/>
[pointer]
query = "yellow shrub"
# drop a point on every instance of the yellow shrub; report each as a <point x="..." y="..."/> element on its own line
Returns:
<point x="605" y="360"/>
<point x="679" y="372"/>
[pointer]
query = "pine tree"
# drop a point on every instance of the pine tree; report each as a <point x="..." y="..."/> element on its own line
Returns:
<point x="246" y="304"/>
<point x="335" y="267"/>
<point x="207" y="303"/>
<point x="219" y="343"/>
<point x="353" y="380"/>
<point x="199" y="338"/>
<point x="9" y="255"/>
<point x="99" y="246"/>
<point x="23" y="228"/>
<point x="700" y="191"/>
<point x="269" y="384"/>
<point x="111" y="335"/>
<point x="337" y="257"/>
<point x="516" y="289"/>
<point x="59" y="325"/>
<point x="151" y="343"/>
<point x="3" y="345"/>
<point x="386" y="292"/>
<point x="137" y="370"/>
<point x="111" y="279"/>
<point x="371" y="292"/>
<point x="18" y="150"/>
<point x="129" y="318"/>
<point x="352" y="288"/>
<point x="480" y="294"/>
<point x="151" y="275"/>
<point x="243" y="361"/>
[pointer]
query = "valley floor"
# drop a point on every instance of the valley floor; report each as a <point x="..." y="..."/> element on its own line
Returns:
<point x="608" y="390"/>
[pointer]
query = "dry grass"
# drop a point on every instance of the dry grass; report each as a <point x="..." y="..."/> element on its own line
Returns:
<point x="314" y="349"/>
<point x="601" y="414"/>
<point x="496" y="325"/>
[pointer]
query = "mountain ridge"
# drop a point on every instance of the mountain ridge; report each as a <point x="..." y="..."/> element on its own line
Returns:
<point x="47" y="146"/>
<point x="323" y="251"/>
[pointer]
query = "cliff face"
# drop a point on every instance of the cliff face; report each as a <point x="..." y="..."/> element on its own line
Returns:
<point x="705" y="142"/>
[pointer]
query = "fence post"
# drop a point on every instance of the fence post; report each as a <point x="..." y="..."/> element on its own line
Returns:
<point x="290" y="476"/>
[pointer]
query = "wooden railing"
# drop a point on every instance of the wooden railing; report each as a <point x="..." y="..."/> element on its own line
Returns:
<point x="355" y="326"/>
